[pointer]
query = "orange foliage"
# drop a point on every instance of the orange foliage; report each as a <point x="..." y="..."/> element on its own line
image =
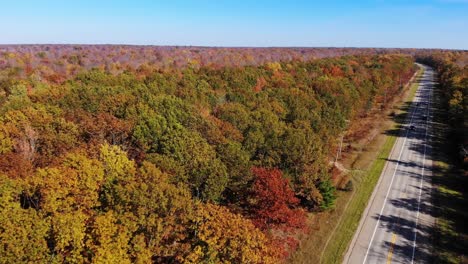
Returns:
<point x="261" y="82"/>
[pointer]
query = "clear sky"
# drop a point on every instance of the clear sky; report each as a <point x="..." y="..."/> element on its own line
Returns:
<point x="353" y="23"/>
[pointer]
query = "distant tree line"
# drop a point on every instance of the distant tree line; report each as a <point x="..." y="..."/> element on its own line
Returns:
<point x="57" y="63"/>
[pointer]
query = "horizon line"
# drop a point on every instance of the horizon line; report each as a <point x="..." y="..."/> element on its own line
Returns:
<point x="222" y="46"/>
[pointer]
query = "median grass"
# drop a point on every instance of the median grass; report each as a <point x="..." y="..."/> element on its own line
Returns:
<point x="332" y="231"/>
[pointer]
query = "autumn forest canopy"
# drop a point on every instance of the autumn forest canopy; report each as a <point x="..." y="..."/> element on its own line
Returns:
<point x="181" y="154"/>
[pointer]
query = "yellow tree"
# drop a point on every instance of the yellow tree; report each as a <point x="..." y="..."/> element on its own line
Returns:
<point x="22" y="231"/>
<point x="221" y="236"/>
<point x="109" y="240"/>
<point x="118" y="172"/>
<point x="67" y="195"/>
<point x="163" y="211"/>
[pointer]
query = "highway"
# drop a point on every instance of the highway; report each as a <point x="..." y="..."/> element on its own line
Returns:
<point x="396" y="225"/>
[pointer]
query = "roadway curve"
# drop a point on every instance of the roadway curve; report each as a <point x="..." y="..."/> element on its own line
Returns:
<point x="396" y="225"/>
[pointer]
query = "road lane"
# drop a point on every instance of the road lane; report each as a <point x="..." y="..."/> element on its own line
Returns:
<point x="396" y="225"/>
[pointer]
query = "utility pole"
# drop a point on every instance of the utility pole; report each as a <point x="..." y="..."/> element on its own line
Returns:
<point x="385" y="98"/>
<point x="399" y="79"/>
<point x="338" y="152"/>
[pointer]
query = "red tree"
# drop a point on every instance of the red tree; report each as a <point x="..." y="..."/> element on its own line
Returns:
<point x="274" y="202"/>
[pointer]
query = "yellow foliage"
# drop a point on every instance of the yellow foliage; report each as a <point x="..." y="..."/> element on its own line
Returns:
<point x="116" y="164"/>
<point x="70" y="187"/>
<point x="273" y="66"/>
<point x="6" y="144"/>
<point x="456" y="101"/>
<point x="110" y="240"/>
<point x="69" y="231"/>
<point x="225" y="237"/>
<point x="22" y="231"/>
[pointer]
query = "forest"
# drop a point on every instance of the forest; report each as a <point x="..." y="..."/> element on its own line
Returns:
<point x="205" y="163"/>
<point x="56" y="63"/>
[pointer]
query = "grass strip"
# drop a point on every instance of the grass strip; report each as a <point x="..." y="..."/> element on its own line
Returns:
<point x="365" y="182"/>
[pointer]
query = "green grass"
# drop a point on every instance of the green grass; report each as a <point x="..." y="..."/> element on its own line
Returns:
<point x="415" y="84"/>
<point x="365" y="182"/>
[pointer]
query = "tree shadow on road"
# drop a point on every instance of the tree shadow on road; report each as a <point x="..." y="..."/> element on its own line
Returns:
<point x="405" y="230"/>
<point x="450" y="198"/>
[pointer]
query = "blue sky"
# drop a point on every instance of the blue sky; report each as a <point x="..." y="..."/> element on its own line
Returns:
<point x="358" y="23"/>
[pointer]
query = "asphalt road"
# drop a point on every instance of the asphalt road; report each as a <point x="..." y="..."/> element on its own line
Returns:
<point x="397" y="223"/>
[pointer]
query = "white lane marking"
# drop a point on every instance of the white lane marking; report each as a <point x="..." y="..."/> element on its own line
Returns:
<point x="393" y="177"/>
<point x="421" y="183"/>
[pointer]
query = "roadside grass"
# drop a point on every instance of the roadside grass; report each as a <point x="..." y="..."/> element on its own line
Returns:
<point x="415" y="84"/>
<point x="366" y="181"/>
<point x="450" y="197"/>
<point x="332" y="231"/>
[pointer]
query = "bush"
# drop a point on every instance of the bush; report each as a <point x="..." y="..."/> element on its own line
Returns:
<point x="328" y="193"/>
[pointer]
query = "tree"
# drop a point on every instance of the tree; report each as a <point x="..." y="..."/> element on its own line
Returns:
<point x="162" y="212"/>
<point x="207" y="175"/>
<point x="118" y="172"/>
<point x="109" y="239"/>
<point x="220" y="236"/>
<point x="22" y="231"/>
<point x="237" y="163"/>
<point x="273" y="202"/>
<point x="66" y="197"/>
<point x="328" y="193"/>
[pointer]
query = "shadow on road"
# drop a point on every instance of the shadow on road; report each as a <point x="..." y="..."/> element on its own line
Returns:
<point x="446" y="200"/>
<point x="450" y="198"/>
<point x="412" y="122"/>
